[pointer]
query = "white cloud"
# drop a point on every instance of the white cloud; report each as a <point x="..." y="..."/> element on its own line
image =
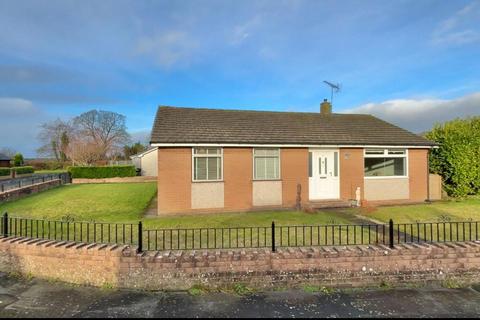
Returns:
<point x="16" y="107"/>
<point x="463" y="27"/>
<point x="19" y="124"/>
<point x="419" y="115"/>
<point x="168" y="48"/>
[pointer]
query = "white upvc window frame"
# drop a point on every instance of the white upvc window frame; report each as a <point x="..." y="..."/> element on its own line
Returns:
<point x="386" y="154"/>
<point x="194" y="155"/>
<point x="279" y="164"/>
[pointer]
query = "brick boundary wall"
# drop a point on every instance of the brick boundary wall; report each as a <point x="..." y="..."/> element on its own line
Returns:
<point x="115" y="180"/>
<point x="18" y="193"/>
<point x="121" y="266"/>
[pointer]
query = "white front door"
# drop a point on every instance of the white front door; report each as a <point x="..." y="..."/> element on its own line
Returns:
<point x="323" y="167"/>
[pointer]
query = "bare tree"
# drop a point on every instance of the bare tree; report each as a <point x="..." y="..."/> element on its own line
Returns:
<point x="83" y="151"/>
<point x="9" y="152"/>
<point x="55" y="136"/>
<point x="104" y="129"/>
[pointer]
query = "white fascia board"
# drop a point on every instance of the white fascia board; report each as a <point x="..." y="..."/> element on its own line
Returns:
<point x="139" y="155"/>
<point x="160" y="145"/>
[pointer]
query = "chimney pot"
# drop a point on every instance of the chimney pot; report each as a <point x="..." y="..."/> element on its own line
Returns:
<point x="325" y="107"/>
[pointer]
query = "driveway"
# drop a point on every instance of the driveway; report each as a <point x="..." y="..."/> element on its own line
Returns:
<point x="35" y="298"/>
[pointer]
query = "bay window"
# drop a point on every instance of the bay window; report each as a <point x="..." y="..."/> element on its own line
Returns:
<point x="385" y="163"/>
<point x="207" y="164"/>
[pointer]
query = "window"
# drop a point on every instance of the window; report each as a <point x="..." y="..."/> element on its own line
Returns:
<point x="266" y="164"/>
<point x="385" y="163"/>
<point x="207" y="164"/>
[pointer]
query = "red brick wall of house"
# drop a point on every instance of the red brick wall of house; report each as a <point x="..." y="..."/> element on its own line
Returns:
<point x="418" y="174"/>
<point x="294" y="171"/>
<point x="351" y="172"/>
<point x="175" y="165"/>
<point x="238" y="176"/>
<point x="174" y="179"/>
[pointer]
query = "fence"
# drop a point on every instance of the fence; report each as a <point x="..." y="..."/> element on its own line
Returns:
<point x="240" y="237"/>
<point x="28" y="181"/>
<point x="84" y="232"/>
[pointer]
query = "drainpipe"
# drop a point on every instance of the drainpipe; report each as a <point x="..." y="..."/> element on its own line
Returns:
<point x="428" y="176"/>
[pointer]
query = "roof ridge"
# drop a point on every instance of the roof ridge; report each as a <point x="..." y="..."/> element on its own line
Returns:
<point x="260" y="111"/>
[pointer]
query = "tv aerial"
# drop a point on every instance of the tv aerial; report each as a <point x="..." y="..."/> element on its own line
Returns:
<point x="335" y="88"/>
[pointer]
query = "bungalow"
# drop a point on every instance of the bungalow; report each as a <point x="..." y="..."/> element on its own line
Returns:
<point x="4" y="160"/>
<point x="146" y="162"/>
<point x="212" y="160"/>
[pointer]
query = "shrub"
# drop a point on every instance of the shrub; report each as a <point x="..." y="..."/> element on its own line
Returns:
<point x="4" y="172"/>
<point x="18" y="160"/>
<point x="43" y="164"/>
<point x="102" y="172"/>
<point x="457" y="159"/>
<point x="23" y="170"/>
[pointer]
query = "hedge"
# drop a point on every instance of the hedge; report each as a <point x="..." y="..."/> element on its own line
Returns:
<point x="102" y="172"/>
<point x="457" y="159"/>
<point x="4" y="172"/>
<point x="23" y="170"/>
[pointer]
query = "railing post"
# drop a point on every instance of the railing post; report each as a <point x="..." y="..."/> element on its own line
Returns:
<point x="273" y="237"/>
<point x="5" y="224"/>
<point x="391" y="239"/>
<point x="140" y="237"/>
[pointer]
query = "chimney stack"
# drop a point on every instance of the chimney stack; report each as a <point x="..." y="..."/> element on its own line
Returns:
<point x="325" y="107"/>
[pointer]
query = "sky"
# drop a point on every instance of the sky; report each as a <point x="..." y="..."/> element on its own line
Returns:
<point x="413" y="63"/>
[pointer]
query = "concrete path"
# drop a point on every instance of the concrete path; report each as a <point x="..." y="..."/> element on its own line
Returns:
<point x="35" y="298"/>
<point x="152" y="210"/>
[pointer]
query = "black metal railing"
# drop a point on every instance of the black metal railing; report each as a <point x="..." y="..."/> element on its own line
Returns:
<point x="427" y="232"/>
<point x="82" y="232"/>
<point x="208" y="238"/>
<point x="272" y="237"/>
<point x="329" y="235"/>
<point x="32" y="180"/>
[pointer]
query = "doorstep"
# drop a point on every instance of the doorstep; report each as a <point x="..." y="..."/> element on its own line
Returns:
<point x="328" y="204"/>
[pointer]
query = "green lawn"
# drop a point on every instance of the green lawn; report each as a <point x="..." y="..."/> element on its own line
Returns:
<point x="250" y="219"/>
<point x="126" y="203"/>
<point x="86" y="202"/>
<point x="453" y="220"/>
<point x="50" y="171"/>
<point x="452" y="210"/>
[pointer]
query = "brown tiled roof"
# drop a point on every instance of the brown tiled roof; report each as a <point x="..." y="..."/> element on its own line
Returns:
<point x="194" y="125"/>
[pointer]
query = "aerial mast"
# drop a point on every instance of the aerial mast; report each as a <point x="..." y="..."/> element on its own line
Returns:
<point x="335" y="88"/>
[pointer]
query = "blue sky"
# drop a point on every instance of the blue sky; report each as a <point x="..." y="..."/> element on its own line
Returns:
<point x="410" y="62"/>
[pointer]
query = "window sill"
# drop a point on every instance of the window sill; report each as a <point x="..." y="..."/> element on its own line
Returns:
<point x="386" y="177"/>
<point x="260" y="180"/>
<point x="208" y="181"/>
